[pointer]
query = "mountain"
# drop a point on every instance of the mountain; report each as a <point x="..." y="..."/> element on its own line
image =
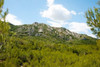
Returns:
<point x="40" y="45"/>
<point x="44" y="30"/>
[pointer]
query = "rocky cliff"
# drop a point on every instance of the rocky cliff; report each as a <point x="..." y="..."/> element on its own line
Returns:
<point x="40" y="29"/>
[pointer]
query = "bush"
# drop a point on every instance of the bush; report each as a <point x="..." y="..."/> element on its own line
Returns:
<point x="98" y="43"/>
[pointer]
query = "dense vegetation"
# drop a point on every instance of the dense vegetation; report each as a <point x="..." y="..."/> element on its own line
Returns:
<point x="40" y="51"/>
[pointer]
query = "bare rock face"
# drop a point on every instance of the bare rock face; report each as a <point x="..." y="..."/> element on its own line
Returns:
<point x="40" y="29"/>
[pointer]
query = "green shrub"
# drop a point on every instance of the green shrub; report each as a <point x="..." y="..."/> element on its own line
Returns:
<point x="98" y="43"/>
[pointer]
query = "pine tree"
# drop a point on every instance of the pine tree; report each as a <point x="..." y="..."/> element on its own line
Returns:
<point x="4" y="27"/>
<point x="93" y="20"/>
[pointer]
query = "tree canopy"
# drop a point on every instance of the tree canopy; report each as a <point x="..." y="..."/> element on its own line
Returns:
<point x="93" y="20"/>
<point x="4" y="27"/>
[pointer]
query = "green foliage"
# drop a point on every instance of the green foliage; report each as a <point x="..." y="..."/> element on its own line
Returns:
<point x="4" y="27"/>
<point x="98" y="43"/>
<point x="1" y="3"/>
<point x="93" y="20"/>
<point x="30" y="51"/>
<point x="39" y="51"/>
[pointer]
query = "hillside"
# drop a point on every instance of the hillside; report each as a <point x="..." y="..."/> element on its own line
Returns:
<point x="54" y="33"/>
<point x="40" y="48"/>
<point x="41" y="45"/>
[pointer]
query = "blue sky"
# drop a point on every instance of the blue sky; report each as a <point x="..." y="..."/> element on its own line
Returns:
<point x="57" y="13"/>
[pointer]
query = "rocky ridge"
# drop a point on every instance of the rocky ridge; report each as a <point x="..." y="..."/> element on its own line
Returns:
<point x="41" y="29"/>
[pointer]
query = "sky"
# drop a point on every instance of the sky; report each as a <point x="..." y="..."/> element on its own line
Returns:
<point x="57" y="13"/>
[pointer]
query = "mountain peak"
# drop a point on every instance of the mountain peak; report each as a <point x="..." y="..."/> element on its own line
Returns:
<point x="41" y="29"/>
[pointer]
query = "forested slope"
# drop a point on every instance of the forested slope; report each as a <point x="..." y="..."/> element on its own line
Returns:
<point x="42" y="51"/>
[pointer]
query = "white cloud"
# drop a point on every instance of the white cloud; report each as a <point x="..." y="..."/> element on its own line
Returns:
<point x="56" y="24"/>
<point x="57" y="12"/>
<point x="73" y="12"/>
<point x="77" y="27"/>
<point x="50" y="2"/>
<point x="92" y="35"/>
<point x="13" y="19"/>
<point x="80" y="28"/>
<point x="58" y="16"/>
